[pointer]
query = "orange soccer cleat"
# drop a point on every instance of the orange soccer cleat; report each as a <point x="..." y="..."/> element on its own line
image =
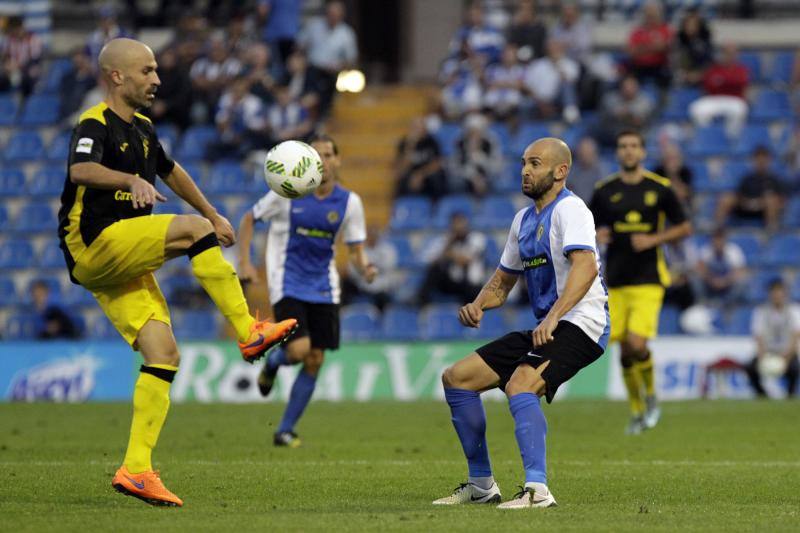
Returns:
<point x="264" y="336"/>
<point x="146" y="486"/>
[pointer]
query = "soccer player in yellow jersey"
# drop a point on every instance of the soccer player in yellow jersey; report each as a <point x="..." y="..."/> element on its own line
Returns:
<point x="630" y="210"/>
<point x="112" y="244"/>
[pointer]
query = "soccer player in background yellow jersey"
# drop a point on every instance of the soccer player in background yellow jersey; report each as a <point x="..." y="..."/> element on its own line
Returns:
<point x="112" y="244"/>
<point x="630" y="209"/>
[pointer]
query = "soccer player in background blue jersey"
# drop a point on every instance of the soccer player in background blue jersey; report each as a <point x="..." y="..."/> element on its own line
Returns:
<point x="302" y="277"/>
<point x="553" y="244"/>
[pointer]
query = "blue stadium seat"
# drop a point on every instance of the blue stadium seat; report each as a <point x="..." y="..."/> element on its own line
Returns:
<point x="706" y="207"/>
<point x="360" y="322"/>
<point x="497" y="212"/>
<point x="669" y="320"/>
<point x="195" y="169"/>
<point x="410" y="213"/>
<point x="194" y="143"/>
<point x="447" y="135"/>
<point x="709" y="141"/>
<point x="701" y="177"/>
<point x="782" y="66"/>
<point x="48" y="181"/>
<point x="36" y="217"/>
<point x="173" y="206"/>
<point x="750" y="245"/>
<point x="782" y="251"/>
<point x="502" y="135"/>
<point x="78" y="296"/>
<point x="450" y="205"/>
<point x="22" y="326"/>
<point x="406" y="258"/>
<point x="493" y="325"/>
<point x="8" y="292"/>
<point x="795" y="292"/>
<point x="58" y="151"/>
<point x="168" y="137"/>
<point x="8" y="109"/>
<point x="734" y="169"/>
<point x="440" y="322"/>
<point x="771" y="105"/>
<point x="400" y="323"/>
<point x="751" y="137"/>
<point x="738" y="323"/>
<point x="491" y="255"/>
<point x="171" y="285"/>
<point x="678" y="103"/>
<point x="24" y="146"/>
<point x="407" y="290"/>
<point x="102" y="329"/>
<point x="51" y="255"/>
<point x="3" y="216"/>
<point x="40" y="110"/>
<point x="51" y="81"/>
<point x="752" y="60"/>
<point x="12" y="181"/>
<point x="16" y="253"/>
<point x="526" y="134"/>
<point x="791" y="214"/>
<point x="758" y="284"/>
<point x="523" y="319"/>
<point x="226" y="177"/>
<point x="199" y="325"/>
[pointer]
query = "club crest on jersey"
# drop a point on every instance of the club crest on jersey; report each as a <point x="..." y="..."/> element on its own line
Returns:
<point x="123" y="147"/>
<point x="146" y="147"/>
<point x="529" y="263"/>
<point x="333" y="217"/>
<point x="633" y="217"/>
<point x="539" y="232"/>
<point x="616" y="197"/>
<point x="650" y="198"/>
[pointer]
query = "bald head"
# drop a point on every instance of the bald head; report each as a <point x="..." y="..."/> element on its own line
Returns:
<point x="552" y="151"/>
<point x="123" y="54"/>
<point x="129" y="70"/>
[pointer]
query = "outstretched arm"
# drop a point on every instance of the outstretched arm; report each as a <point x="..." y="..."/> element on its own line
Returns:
<point x="493" y="294"/>
<point x="358" y="258"/>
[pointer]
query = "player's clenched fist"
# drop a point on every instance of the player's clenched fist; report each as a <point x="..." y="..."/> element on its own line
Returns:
<point x="470" y="315"/>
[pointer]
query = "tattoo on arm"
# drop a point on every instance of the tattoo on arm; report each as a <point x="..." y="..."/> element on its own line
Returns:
<point x="498" y="288"/>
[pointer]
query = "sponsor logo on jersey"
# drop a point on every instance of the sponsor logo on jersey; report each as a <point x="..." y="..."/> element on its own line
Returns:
<point x="314" y="233"/>
<point x="530" y="263"/>
<point x="122" y="196"/>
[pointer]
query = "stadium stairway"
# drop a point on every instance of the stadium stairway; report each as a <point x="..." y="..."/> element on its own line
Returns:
<point x="367" y="126"/>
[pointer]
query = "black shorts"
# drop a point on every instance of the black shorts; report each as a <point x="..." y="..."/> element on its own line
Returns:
<point x="320" y="322"/>
<point x="570" y="350"/>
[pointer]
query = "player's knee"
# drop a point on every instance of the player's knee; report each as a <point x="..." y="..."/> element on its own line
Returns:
<point x="448" y="378"/>
<point x="200" y="226"/>
<point x="518" y="386"/>
<point x="313" y="361"/>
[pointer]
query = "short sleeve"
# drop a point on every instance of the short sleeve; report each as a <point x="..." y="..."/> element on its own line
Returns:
<point x="794" y="312"/>
<point x="577" y="226"/>
<point x="597" y="208"/>
<point x="267" y="207"/>
<point x="87" y="142"/>
<point x="354" y="227"/>
<point x="510" y="261"/>
<point x="757" y="325"/>
<point x="672" y="207"/>
<point x="164" y="163"/>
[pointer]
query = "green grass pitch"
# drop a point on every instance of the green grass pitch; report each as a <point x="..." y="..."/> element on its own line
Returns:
<point x="724" y="465"/>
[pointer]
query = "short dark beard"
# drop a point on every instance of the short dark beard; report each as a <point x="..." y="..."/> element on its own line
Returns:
<point x="537" y="191"/>
<point x="629" y="168"/>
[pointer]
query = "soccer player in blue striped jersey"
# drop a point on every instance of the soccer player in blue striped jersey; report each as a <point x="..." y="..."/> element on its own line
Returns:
<point x="552" y="243"/>
<point x="302" y="277"/>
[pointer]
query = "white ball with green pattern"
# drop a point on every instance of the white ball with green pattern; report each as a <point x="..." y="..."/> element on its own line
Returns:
<point x="293" y="169"/>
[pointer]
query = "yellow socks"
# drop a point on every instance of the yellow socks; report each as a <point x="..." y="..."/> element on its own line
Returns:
<point x="633" y="382"/>
<point x="150" y="406"/>
<point x="645" y="369"/>
<point x="219" y="280"/>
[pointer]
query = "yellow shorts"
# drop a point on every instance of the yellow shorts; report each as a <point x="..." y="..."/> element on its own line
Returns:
<point x="118" y="269"/>
<point x="634" y="309"/>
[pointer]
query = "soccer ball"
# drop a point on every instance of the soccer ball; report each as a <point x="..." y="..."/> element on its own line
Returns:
<point x="293" y="169"/>
<point x="771" y="365"/>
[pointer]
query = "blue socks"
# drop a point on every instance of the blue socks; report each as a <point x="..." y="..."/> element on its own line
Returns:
<point x="301" y="393"/>
<point x="277" y="358"/>
<point x="469" y="419"/>
<point x="531" y="430"/>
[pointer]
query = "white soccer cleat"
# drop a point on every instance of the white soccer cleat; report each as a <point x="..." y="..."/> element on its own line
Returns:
<point x="653" y="412"/>
<point x="469" y="493"/>
<point x="636" y="426"/>
<point x="528" y="498"/>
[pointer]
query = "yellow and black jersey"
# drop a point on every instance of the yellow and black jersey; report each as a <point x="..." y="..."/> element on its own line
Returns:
<point x="103" y="137"/>
<point x="639" y="208"/>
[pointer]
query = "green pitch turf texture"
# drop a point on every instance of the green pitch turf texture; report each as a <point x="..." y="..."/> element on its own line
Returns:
<point x="725" y="465"/>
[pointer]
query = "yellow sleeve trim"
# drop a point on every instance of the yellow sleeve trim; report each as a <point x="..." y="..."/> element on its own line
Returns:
<point x="657" y="178"/>
<point x="606" y="181"/>
<point x="142" y="117"/>
<point x="96" y="113"/>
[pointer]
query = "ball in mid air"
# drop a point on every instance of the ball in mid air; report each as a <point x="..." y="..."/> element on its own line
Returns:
<point x="293" y="169"/>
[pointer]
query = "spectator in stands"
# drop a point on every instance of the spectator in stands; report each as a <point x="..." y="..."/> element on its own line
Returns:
<point x="418" y="164"/>
<point x="794" y="83"/>
<point x="721" y="270"/>
<point x="725" y="84"/>
<point x="672" y="166"/>
<point x="481" y="39"/>
<point x="54" y="322"/>
<point x="695" y="49"/>
<point x="240" y="122"/>
<point x="587" y="169"/>
<point x="627" y="108"/>
<point x="287" y="118"/>
<point x="455" y="262"/>
<point x="551" y="83"/>
<point x="76" y="82"/>
<point x="192" y="32"/>
<point x="331" y="47"/>
<point x="461" y="77"/>
<point x="776" y="330"/>
<point x="649" y="46"/>
<point x="211" y="74"/>
<point x="760" y="194"/>
<point x="574" y="32"/>
<point x="304" y="85"/>
<point x="504" y="82"/>
<point x="280" y="25"/>
<point x="238" y="35"/>
<point x="20" y="56"/>
<point x="173" y="103"/>
<point x="259" y="70"/>
<point x="478" y="156"/>
<point x="527" y="33"/>
<point x="384" y="257"/>
<point x="107" y="28"/>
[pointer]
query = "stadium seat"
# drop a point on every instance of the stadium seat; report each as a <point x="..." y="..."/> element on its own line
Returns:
<point x="738" y="322"/>
<point x="58" y="151"/>
<point x="669" y="321"/>
<point x="706" y="207"/>
<point x="734" y="170"/>
<point x="526" y="134"/>
<point x="497" y="212"/>
<point x="449" y="206"/>
<point x="491" y="255"/>
<point x="400" y="323"/>
<point x="8" y="109"/>
<point x="750" y="245"/>
<point x="407" y="290"/>
<point x="226" y="177"/>
<point x="24" y="146"/>
<point x="3" y="216"/>
<point x="8" y="292"/>
<point x="16" y="253"/>
<point x="678" y="103"/>
<point x="782" y="251"/>
<point x="701" y="177"/>
<point x="758" y="284"/>
<point x="51" y="255"/>
<point x="51" y="81"/>
<point x="411" y="213"/>
<point x="48" y="181"/>
<point x="103" y="329"/>
<point x="502" y="136"/>
<point x="78" y="296"/>
<point x="22" y="326"/>
<point x="752" y="60"/>
<point x="493" y="325"/>
<point x="440" y="322"/>
<point x="751" y="137"/>
<point x="771" y="105"/>
<point x="782" y="66"/>
<point x="194" y="143"/>
<point x="791" y="213"/>
<point x="40" y="110"/>
<point x="12" y="181"/>
<point x="173" y="206"/>
<point x="523" y="319"/>
<point x="360" y="322"/>
<point x="36" y="217"/>
<point x="709" y="141"/>
<point x="168" y="137"/>
<point x="195" y="169"/>
<point x="447" y="135"/>
<point x="200" y="325"/>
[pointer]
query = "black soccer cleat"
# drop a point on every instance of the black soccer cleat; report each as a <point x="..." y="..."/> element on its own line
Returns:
<point x="266" y="380"/>
<point x="286" y="438"/>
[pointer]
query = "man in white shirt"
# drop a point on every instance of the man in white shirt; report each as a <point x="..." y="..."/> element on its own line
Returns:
<point x="721" y="270"/>
<point x="551" y="83"/>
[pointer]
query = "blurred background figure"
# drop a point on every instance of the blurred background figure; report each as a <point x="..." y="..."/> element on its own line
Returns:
<point x="477" y="157"/>
<point x="384" y="256"/>
<point x="725" y="84"/>
<point x="54" y="322"/>
<point x="20" y="56"/>
<point x="418" y="164"/>
<point x="721" y="271"/>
